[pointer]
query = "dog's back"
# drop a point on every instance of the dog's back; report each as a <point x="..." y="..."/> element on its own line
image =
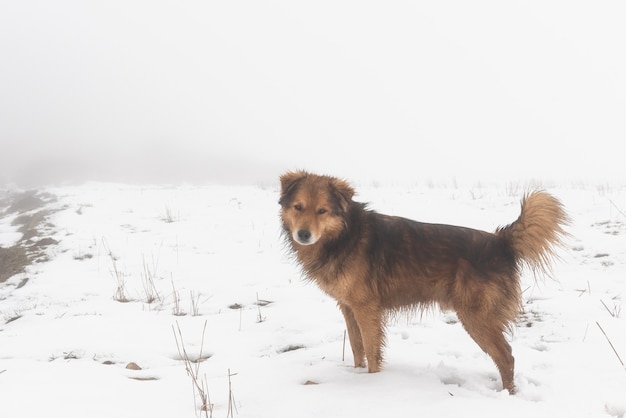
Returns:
<point x="415" y="264"/>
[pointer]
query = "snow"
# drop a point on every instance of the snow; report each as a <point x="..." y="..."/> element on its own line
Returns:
<point x="213" y="257"/>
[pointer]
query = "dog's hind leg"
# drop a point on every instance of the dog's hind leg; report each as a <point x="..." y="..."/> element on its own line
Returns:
<point x="486" y="306"/>
<point x="354" y="333"/>
<point x="370" y="323"/>
<point x="490" y="338"/>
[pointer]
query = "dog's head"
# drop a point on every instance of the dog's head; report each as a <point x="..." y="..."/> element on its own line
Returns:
<point x="313" y="208"/>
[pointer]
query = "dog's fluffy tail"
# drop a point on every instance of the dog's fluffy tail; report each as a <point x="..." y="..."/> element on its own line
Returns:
<point x="538" y="232"/>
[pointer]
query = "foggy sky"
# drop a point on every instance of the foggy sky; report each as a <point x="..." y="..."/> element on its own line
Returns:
<point x="238" y="91"/>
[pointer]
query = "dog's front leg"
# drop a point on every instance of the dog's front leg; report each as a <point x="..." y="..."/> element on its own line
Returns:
<point x="370" y="322"/>
<point x="354" y="333"/>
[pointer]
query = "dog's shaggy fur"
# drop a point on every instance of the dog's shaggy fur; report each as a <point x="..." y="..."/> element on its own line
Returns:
<point x="374" y="264"/>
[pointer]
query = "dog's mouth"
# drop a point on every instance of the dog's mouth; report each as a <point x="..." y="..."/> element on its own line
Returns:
<point x="304" y="237"/>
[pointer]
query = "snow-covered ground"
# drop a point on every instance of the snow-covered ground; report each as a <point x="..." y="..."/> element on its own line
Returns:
<point x="212" y="262"/>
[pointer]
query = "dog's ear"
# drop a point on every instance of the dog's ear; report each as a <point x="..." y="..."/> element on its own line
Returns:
<point x="288" y="183"/>
<point x="343" y="192"/>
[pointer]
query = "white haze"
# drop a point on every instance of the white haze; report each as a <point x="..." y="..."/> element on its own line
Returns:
<point x="238" y="91"/>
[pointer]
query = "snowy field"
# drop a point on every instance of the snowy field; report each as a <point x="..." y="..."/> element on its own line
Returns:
<point x="137" y="268"/>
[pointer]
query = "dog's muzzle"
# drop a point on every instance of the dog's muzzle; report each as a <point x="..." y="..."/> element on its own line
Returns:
<point x="304" y="237"/>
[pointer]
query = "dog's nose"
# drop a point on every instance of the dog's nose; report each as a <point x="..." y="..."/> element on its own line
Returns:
<point x="304" y="235"/>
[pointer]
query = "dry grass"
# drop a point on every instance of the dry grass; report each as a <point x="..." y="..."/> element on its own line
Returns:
<point x="119" y="276"/>
<point x="177" y="310"/>
<point x="149" y="288"/>
<point x="610" y="343"/>
<point x="199" y="384"/>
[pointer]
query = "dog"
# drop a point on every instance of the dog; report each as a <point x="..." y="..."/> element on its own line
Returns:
<point x="374" y="264"/>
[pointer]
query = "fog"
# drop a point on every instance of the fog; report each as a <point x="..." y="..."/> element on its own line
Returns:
<point x="239" y="91"/>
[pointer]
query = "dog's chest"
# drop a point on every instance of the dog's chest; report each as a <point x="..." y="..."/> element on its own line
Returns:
<point x="345" y="288"/>
<point x="338" y="279"/>
<point x="338" y="287"/>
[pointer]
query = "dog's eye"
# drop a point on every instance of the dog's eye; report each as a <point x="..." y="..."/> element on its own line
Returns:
<point x="298" y="207"/>
<point x="321" y="211"/>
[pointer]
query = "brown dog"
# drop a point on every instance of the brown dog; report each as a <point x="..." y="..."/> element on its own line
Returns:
<point x="374" y="264"/>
